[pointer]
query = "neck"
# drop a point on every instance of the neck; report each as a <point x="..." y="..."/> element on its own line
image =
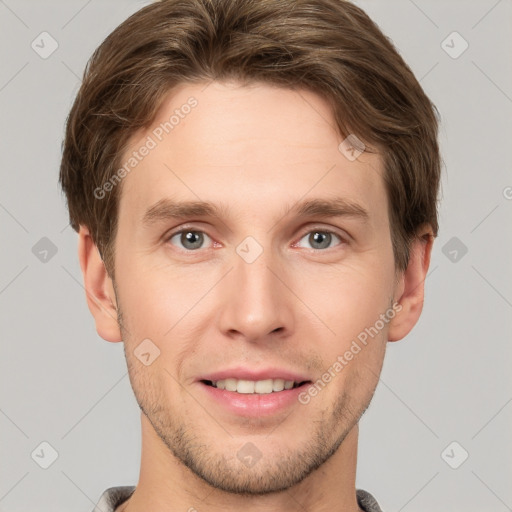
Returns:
<point x="166" y="485"/>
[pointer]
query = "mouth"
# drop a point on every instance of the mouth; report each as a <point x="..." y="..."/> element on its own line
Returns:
<point x="257" y="393"/>
<point x="255" y="387"/>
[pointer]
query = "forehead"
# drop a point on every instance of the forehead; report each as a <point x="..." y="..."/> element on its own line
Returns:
<point x="251" y="147"/>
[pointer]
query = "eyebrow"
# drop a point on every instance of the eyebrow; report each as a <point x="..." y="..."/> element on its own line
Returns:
<point x="167" y="209"/>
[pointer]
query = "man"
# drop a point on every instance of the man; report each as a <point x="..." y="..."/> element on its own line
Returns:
<point x="254" y="186"/>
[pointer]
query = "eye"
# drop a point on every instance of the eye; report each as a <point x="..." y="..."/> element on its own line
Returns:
<point x="190" y="239"/>
<point x="321" y="238"/>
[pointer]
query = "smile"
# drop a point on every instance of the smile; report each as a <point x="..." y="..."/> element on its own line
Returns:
<point x="260" y="387"/>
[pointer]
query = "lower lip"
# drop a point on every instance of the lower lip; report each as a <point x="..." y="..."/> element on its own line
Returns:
<point x="254" y="405"/>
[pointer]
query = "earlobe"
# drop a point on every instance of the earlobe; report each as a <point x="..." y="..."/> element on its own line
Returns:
<point x="409" y="291"/>
<point x="99" y="288"/>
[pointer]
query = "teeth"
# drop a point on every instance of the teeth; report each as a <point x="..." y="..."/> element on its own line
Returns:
<point x="261" y="387"/>
<point x="245" y="386"/>
<point x="278" y="385"/>
<point x="230" y="384"/>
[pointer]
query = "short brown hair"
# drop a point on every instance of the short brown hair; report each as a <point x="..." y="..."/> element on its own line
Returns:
<point x="330" y="47"/>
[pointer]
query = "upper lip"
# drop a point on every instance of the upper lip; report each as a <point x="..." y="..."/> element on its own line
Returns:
<point x="241" y="373"/>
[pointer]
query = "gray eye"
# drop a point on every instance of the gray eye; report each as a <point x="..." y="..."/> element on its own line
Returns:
<point x="320" y="239"/>
<point x="190" y="239"/>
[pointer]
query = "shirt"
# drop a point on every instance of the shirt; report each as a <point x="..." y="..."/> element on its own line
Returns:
<point x="115" y="496"/>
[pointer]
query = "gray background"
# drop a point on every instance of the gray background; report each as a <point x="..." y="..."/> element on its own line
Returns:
<point x="449" y="380"/>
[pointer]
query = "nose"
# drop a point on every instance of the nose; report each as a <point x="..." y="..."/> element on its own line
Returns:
<point x="256" y="304"/>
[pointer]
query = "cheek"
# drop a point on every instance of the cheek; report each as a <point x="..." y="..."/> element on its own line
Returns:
<point x="351" y="305"/>
<point x="348" y="300"/>
<point x="154" y="299"/>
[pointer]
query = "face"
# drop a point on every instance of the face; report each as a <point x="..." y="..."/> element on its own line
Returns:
<point x="275" y="283"/>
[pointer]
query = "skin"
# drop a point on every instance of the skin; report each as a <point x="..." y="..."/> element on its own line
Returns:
<point x="255" y="149"/>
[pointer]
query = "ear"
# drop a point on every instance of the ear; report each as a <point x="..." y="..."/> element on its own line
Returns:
<point x="98" y="287"/>
<point x="409" y="291"/>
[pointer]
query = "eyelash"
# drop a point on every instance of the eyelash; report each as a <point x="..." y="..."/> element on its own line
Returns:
<point x="313" y="230"/>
